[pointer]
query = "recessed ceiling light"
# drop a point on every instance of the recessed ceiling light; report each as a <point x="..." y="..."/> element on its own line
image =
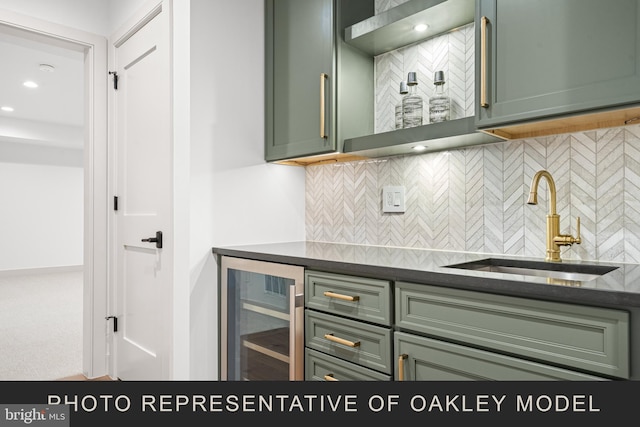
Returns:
<point x="419" y="148"/>
<point x="30" y="84"/>
<point x="7" y="109"/>
<point x="47" y="68"/>
<point x="421" y="27"/>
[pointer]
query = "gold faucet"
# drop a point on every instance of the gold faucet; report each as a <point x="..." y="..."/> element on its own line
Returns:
<point x="554" y="238"/>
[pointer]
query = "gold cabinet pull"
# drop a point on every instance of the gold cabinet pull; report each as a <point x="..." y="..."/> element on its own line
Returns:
<point x="330" y="294"/>
<point x="330" y="377"/>
<point x="401" y="360"/>
<point x="483" y="62"/>
<point x="323" y="85"/>
<point x="342" y="341"/>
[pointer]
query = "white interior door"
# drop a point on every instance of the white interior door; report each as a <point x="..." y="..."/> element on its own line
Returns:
<point x="143" y="270"/>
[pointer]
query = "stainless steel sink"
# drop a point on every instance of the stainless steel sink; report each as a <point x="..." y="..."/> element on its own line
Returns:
<point x="555" y="272"/>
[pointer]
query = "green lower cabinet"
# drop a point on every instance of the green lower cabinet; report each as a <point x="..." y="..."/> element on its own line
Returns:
<point x="581" y="338"/>
<point x="425" y="359"/>
<point x="348" y="328"/>
<point x="363" y="329"/>
<point x="322" y="367"/>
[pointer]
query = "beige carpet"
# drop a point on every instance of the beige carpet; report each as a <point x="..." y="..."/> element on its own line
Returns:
<point x="40" y="326"/>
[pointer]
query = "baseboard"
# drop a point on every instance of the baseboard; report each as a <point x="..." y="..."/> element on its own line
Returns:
<point x="41" y="270"/>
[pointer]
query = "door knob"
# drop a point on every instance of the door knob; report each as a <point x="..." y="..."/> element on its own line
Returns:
<point x="157" y="240"/>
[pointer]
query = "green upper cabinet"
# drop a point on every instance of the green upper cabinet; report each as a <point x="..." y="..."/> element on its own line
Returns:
<point x="550" y="59"/>
<point x="319" y="90"/>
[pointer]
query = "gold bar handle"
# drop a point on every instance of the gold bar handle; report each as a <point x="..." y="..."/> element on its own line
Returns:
<point x="330" y="377"/>
<point x="323" y="84"/>
<point x="483" y="62"/>
<point x="341" y="296"/>
<point x="342" y="341"/>
<point x="401" y="360"/>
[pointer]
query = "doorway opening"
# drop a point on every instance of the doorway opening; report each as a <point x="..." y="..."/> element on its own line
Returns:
<point x="53" y="156"/>
<point x="42" y="143"/>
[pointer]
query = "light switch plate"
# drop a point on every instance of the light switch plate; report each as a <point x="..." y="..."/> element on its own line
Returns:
<point x="393" y="199"/>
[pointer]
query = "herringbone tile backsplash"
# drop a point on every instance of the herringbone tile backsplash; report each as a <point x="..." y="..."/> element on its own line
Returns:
<point x="474" y="199"/>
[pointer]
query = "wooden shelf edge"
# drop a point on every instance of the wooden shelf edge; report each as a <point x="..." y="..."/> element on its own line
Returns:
<point x="572" y="124"/>
<point x="321" y="159"/>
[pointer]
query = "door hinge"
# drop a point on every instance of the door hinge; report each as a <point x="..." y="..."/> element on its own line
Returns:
<point x="115" y="203"/>
<point x="115" y="322"/>
<point x="115" y="79"/>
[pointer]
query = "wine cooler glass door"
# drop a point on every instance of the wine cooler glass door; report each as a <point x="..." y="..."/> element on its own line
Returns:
<point x="262" y="329"/>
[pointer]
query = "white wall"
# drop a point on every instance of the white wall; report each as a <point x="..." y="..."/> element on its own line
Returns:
<point x="86" y="15"/>
<point x="41" y="133"/>
<point x="235" y="197"/>
<point x="120" y="11"/>
<point x="41" y="220"/>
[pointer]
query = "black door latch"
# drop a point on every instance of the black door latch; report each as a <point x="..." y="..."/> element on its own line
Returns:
<point x="157" y="240"/>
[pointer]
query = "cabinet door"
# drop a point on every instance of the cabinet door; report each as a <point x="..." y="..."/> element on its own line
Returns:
<point x="425" y="359"/>
<point x="548" y="58"/>
<point x="299" y="77"/>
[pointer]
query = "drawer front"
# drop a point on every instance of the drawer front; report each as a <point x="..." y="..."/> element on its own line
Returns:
<point x="426" y="359"/>
<point x="355" y="297"/>
<point x="585" y="338"/>
<point x="372" y="345"/>
<point x="322" y="367"/>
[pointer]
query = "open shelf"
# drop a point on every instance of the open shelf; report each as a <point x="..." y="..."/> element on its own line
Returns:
<point x="434" y="136"/>
<point x="393" y="28"/>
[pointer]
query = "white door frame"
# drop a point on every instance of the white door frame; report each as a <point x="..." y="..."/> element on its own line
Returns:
<point x="96" y="203"/>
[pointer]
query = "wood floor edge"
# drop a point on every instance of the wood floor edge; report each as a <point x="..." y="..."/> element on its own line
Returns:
<point x="81" y="377"/>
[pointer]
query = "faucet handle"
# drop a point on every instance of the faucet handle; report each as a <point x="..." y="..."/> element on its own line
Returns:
<point x="568" y="239"/>
<point x="577" y="239"/>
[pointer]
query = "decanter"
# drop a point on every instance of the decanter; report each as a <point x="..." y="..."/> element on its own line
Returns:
<point x="439" y="102"/>
<point x="412" y="103"/>
<point x="403" y="91"/>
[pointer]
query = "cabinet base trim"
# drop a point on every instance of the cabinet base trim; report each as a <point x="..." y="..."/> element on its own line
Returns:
<point x="581" y="123"/>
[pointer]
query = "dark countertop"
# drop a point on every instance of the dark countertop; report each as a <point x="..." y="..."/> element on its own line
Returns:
<point x="618" y="289"/>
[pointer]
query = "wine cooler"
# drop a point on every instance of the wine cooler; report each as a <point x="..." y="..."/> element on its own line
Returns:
<point x="261" y="321"/>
